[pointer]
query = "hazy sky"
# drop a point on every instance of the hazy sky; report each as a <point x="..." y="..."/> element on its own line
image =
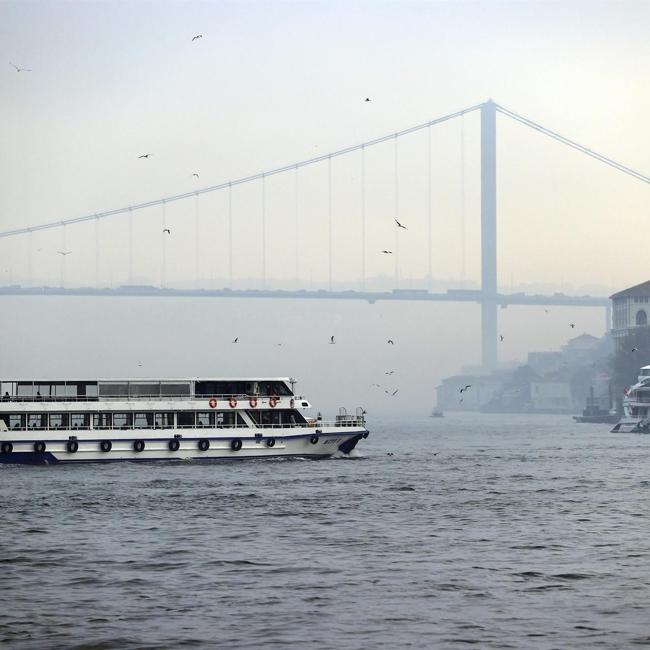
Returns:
<point x="275" y="82"/>
<point x="271" y="83"/>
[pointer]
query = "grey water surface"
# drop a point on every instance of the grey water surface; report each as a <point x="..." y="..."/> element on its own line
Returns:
<point x="499" y="531"/>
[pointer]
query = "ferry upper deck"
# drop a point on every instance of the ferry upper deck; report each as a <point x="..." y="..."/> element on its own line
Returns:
<point x="30" y="390"/>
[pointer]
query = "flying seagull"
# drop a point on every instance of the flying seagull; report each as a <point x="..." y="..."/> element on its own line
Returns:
<point x="399" y="225"/>
<point x="145" y="155"/>
<point x="635" y="349"/>
<point x="375" y="386"/>
<point x="500" y="337"/>
<point x="167" y="230"/>
<point x="367" y="99"/>
<point x="467" y="387"/>
<point x="195" y="175"/>
<point x="236" y="339"/>
<point x="197" y="36"/>
<point x="19" y="69"/>
<point x="390" y="372"/>
<point x="64" y="253"/>
<point x="572" y="325"/>
<point x="387" y="252"/>
<point x="332" y="341"/>
<point x="390" y="342"/>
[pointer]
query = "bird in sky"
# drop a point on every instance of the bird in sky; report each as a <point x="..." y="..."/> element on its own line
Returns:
<point x="20" y="69"/>
<point x="236" y="339"/>
<point x="390" y="372"/>
<point x="635" y="350"/>
<point x="277" y="345"/>
<point x="392" y="393"/>
<point x="144" y="155"/>
<point x="572" y="325"/>
<point x="467" y="387"/>
<point x="195" y="174"/>
<point x="332" y="341"/>
<point x="500" y="337"/>
<point x="399" y="225"/>
<point x="139" y="364"/>
<point x="390" y="342"/>
<point x="546" y="311"/>
<point x="197" y="36"/>
<point x="386" y="252"/>
<point x="367" y="99"/>
<point x="167" y="230"/>
<point x="64" y="253"/>
<point x="375" y="386"/>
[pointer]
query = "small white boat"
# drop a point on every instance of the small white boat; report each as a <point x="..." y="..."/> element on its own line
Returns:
<point x="64" y="421"/>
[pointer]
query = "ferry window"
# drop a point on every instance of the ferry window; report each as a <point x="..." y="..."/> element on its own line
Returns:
<point x="7" y="388"/>
<point x="269" y="418"/>
<point x="185" y="420"/>
<point x="254" y="415"/>
<point x="122" y="420"/>
<point x="641" y="318"/>
<point x="113" y="389"/>
<point x="290" y="417"/>
<point x="58" y="420"/>
<point x="89" y="390"/>
<point x="101" y="420"/>
<point x="205" y="419"/>
<point x="144" y="390"/>
<point x="143" y="420"/>
<point x="25" y="389"/>
<point x="5" y="419"/>
<point x="16" y="421"/>
<point x="170" y="390"/>
<point x="164" y="420"/>
<point x="79" y="420"/>
<point x="36" y="421"/>
<point x="226" y="419"/>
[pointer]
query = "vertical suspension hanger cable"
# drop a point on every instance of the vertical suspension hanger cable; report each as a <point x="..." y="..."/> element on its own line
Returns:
<point x="363" y="218"/>
<point x="329" y="210"/>
<point x="296" y="188"/>
<point x="130" y="246"/>
<point x="263" y="231"/>
<point x="30" y="261"/>
<point x="462" y="201"/>
<point x="64" y="254"/>
<point x="396" y="181"/>
<point x="97" y="249"/>
<point x="230" y="235"/>
<point x="429" y="209"/>
<point x="163" y="275"/>
<point x="196" y="243"/>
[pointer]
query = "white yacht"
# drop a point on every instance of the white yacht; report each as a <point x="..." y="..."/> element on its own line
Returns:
<point x="64" y="421"/>
<point x="636" y="406"/>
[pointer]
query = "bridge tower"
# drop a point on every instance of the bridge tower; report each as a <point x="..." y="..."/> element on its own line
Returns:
<point x="489" y="235"/>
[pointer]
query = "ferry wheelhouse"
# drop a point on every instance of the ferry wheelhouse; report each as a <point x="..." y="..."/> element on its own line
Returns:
<point x="636" y="406"/>
<point x="47" y="422"/>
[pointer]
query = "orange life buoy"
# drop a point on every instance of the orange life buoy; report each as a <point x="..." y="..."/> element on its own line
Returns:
<point x="213" y="403"/>
<point x="253" y="402"/>
<point x="273" y="401"/>
<point x="232" y="400"/>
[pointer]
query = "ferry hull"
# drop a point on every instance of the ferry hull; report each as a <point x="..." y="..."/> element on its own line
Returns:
<point x="314" y="445"/>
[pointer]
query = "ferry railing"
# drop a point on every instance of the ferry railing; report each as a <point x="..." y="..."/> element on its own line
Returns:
<point x="145" y="398"/>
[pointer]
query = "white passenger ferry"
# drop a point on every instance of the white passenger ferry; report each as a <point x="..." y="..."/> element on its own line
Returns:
<point x="43" y="422"/>
<point x="636" y="406"/>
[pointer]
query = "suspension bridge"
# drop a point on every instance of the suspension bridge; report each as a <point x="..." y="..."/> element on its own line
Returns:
<point x="487" y="295"/>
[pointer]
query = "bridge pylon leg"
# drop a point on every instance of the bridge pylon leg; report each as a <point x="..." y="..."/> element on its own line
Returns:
<point x="488" y="236"/>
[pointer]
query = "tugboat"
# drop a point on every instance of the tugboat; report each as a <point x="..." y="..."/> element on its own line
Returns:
<point x="593" y="413"/>
<point x="62" y="421"/>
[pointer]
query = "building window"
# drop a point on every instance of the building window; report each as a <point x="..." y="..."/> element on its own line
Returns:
<point x="641" y="318"/>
